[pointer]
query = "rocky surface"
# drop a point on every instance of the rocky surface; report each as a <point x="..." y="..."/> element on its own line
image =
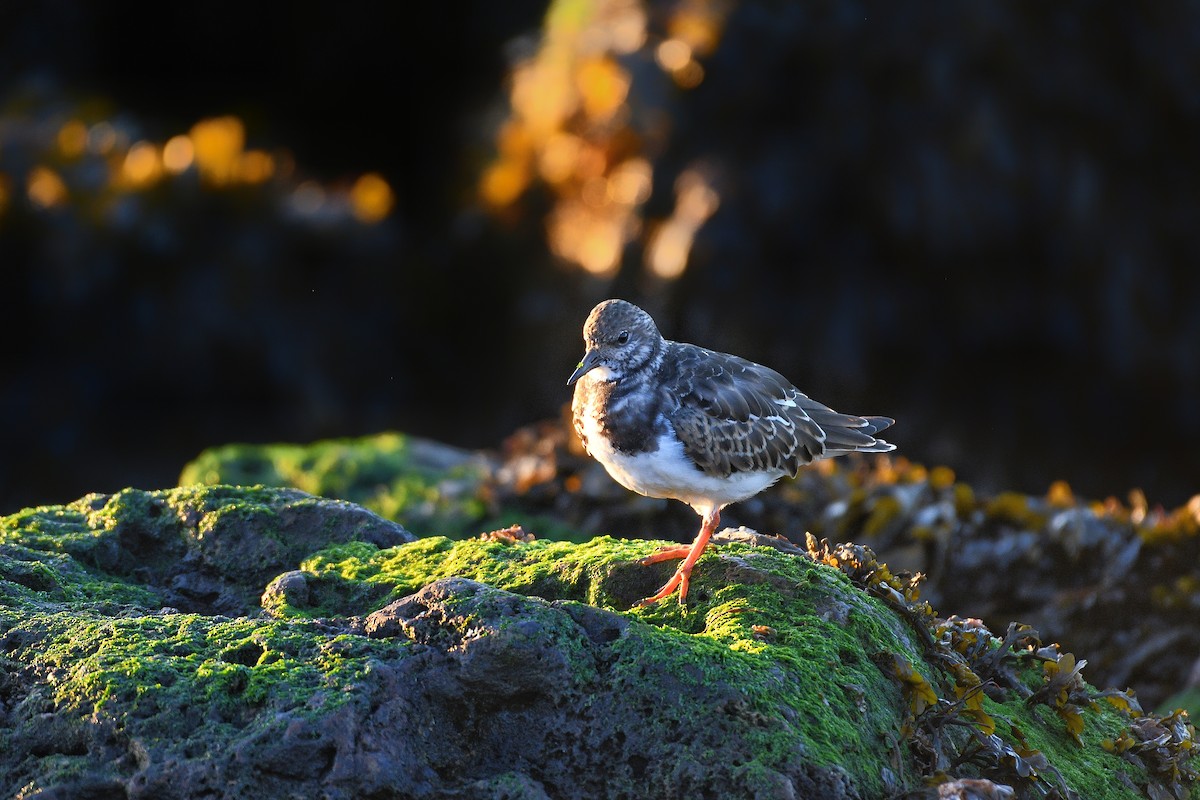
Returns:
<point x="197" y="550"/>
<point x="434" y="488"/>
<point x="1117" y="580"/>
<point x="330" y="656"/>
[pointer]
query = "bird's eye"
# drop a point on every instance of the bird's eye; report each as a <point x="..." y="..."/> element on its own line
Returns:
<point x="623" y="337"/>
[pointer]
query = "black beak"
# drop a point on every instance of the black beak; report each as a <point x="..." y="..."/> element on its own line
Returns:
<point x="590" y="362"/>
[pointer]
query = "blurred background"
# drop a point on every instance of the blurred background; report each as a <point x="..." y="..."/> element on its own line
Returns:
<point x="245" y="222"/>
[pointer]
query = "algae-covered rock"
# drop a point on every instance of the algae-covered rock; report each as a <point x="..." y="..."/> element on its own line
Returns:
<point x="435" y="489"/>
<point x="1118" y="581"/>
<point x="203" y="549"/>
<point x="500" y="668"/>
<point x="431" y="487"/>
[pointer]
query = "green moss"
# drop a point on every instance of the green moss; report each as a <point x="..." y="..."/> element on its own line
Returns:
<point x="554" y="569"/>
<point x="130" y="547"/>
<point x="389" y="473"/>
<point x="787" y="631"/>
<point x="786" y="651"/>
<point x="127" y="518"/>
<point x="33" y="578"/>
<point x="180" y="674"/>
<point x="819" y="667"/>
<point x="1089" y="770"/>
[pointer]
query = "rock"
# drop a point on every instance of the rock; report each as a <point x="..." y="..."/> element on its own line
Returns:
<point x="1115" y="579"/>
<point x="512" y="669"/>
<point x="290" y="588"/>
<point x="433" y="487"/>
<point x="205" y="549"/>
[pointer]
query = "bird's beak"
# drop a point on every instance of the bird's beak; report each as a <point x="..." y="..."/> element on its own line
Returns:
<point x="590" y="361"/>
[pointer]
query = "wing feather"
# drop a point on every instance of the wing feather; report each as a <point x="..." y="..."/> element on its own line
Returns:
<point x="734" y="415"/>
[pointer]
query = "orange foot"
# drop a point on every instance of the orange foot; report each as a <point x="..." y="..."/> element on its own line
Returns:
<point x="690" y="556"/>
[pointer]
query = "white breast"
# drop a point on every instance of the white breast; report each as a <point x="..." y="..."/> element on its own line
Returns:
<point x="668" y="472"/>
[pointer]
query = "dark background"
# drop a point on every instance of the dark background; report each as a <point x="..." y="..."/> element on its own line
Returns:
<point x="980" y="219"/>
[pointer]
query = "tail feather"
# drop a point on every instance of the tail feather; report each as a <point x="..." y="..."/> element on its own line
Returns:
<point x="858" y="436"/>
<point x="846" y="433"/>
<point x="876" y="424"/>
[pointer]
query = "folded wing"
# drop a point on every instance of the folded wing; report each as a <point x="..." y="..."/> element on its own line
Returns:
<point x="735" y="415"/>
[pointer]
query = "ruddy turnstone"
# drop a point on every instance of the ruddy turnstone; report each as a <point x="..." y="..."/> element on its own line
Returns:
<point x="668" y="419"/>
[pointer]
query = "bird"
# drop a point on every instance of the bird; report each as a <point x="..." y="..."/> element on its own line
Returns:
<point x="674" y="420"/>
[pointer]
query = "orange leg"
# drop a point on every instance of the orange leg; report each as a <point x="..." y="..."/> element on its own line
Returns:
<point x="690" y="556"/>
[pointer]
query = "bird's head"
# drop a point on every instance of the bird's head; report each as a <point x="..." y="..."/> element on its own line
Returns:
<point x="619" y="337"/>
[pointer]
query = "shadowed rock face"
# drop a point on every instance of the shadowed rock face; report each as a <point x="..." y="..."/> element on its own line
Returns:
<point x="381" y="667"/>
<point x="535" y="699"/>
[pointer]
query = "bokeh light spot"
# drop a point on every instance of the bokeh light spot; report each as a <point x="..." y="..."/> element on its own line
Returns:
<point x="72" y="139"/>
<point x="579" y="235"/>
<point x="255" y="166"/>
<point x="631" y="182"/>
<point x="627" y="27"/>
<point x="308" y="198"/>
<point x="372" y="198"/>
<point x="46" y="189"/>
<point x="668" y="250"/>
<point x="604" y="85"/>
<point x="102" y="138"/>
<point x="503" y="183"/>
<point x="673" y="55"/>
<point x="542" y="97"/>
<point x="574" y="127"/>
<point x="178" y="154"/>
<point x="600" y="250"/>
<point x="142" y="166"/>
<point x="698" y="25"/>
<point x="669" y="247"/>
<point x="557" y="160"/>
<point x="218" y="144"/>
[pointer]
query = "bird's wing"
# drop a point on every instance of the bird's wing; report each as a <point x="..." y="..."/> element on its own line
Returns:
<point x="733" y="415"/>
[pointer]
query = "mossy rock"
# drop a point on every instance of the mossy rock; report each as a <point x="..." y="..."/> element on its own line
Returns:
<point x="429" y="487"/>
<point x="207" y="549"/>
<point x="1118" y="583"/>
<point x="448" y="669"/>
